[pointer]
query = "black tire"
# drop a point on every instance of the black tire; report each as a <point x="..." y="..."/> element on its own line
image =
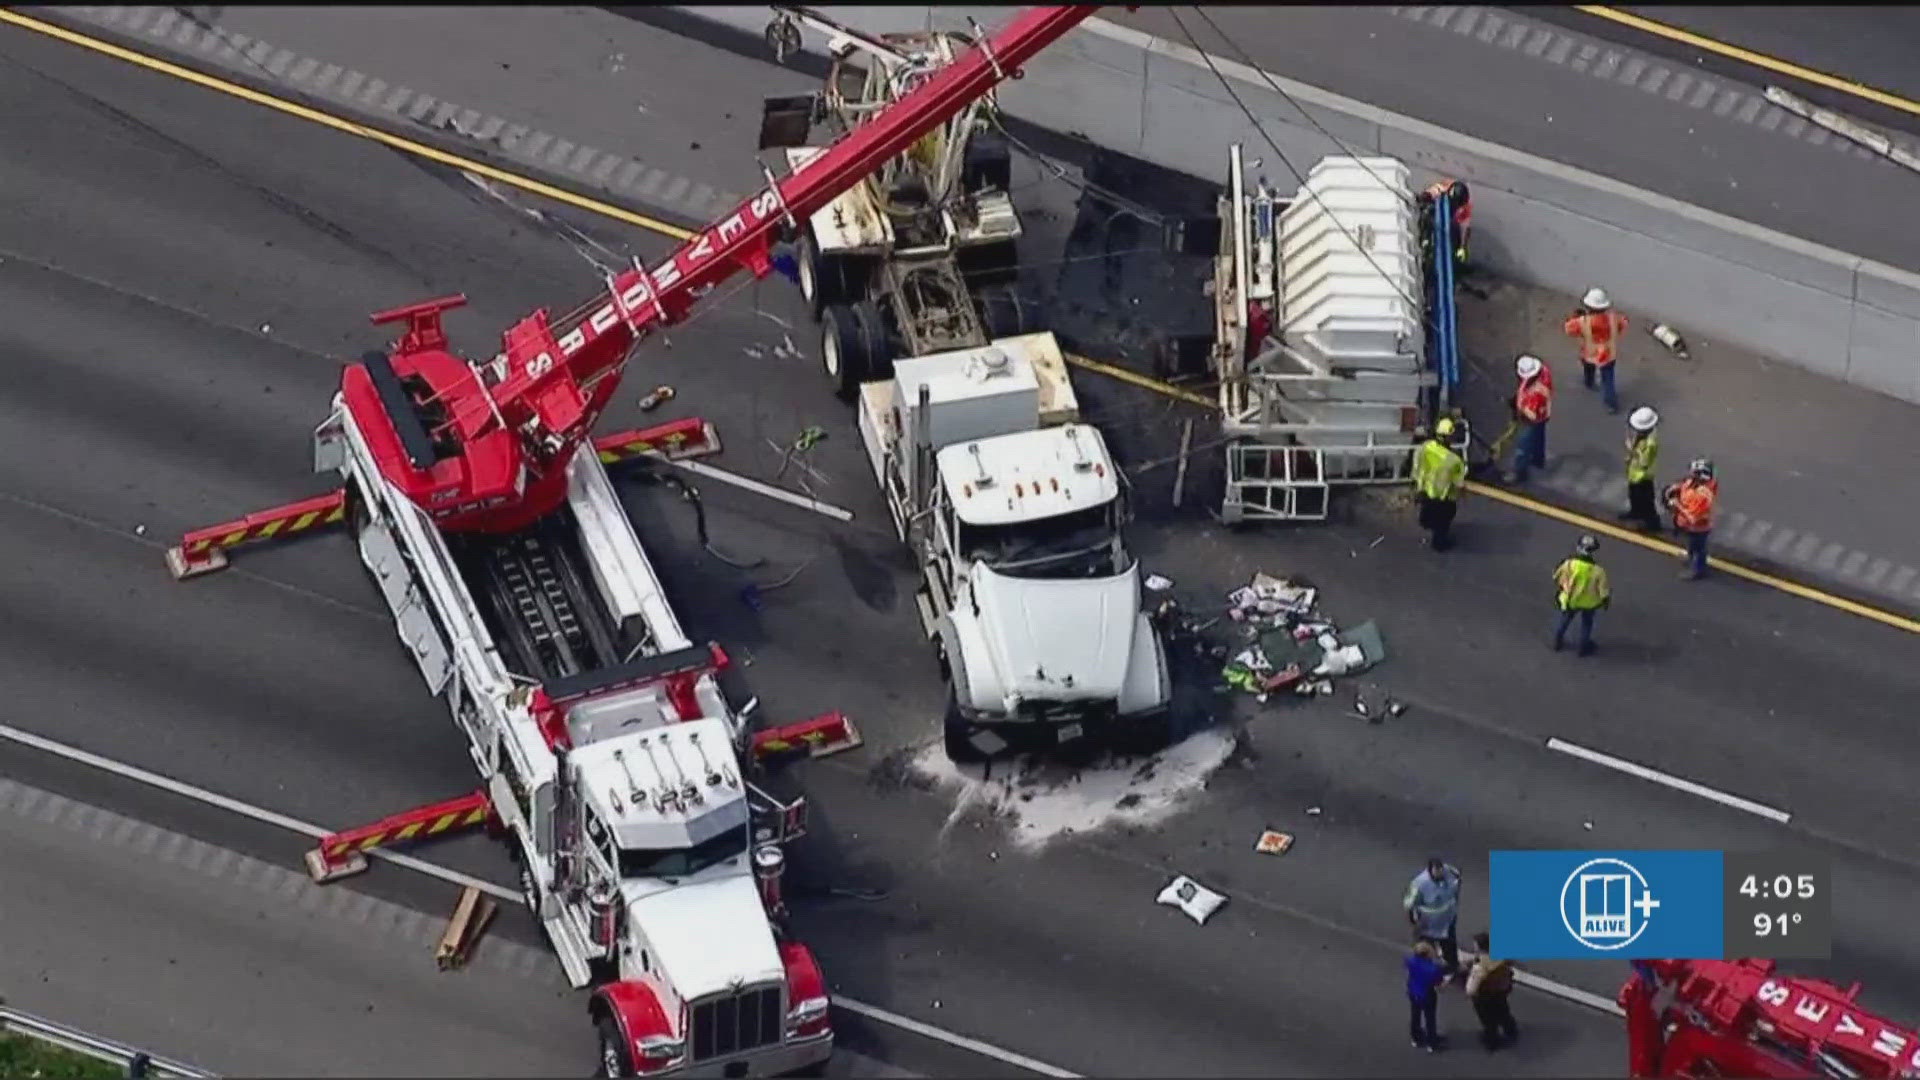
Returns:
<point x="987" y="164"/>
<point x="873" y="335"/>
<point x="853" y="347"/>
<point x="955" y="730"/>
<point x="1005" y="313"/>
<point x="825" y="279"/>
<point x="615" y="1058"/>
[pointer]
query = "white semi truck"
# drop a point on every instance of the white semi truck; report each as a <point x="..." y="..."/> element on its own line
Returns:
<point x="1015" y="514"/>
<point x="1014" y="510"/>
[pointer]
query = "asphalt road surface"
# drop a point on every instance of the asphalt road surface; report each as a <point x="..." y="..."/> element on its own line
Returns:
<point x="1606" y="100"/>
<point x="178" y="270"/>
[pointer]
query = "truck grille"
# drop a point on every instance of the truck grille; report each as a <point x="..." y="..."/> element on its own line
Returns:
<point x="734" y="1023"/>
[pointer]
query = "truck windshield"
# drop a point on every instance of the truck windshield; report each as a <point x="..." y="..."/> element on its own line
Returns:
<point x="1081" y="544"/>
<point x="683" y="862"/>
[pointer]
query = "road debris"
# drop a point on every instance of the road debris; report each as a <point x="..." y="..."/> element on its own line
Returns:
<point x="1313" y="811"/>
<point x="1286" y="643"/>
<point x="1273" y="842"/>
<point x="470" y="918"/>
<point x="1194" y="899"/>
<point x="1668" y="336"/>
<point x="656" y="397"/>
<point x="1157" y="583"/>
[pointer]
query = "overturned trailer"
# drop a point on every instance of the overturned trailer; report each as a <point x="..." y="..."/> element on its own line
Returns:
<point x="1333" y="334"/>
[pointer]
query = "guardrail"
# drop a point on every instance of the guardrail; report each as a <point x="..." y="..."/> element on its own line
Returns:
<point x="137" y="1062"/>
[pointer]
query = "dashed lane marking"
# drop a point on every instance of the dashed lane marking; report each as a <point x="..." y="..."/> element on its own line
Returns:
<point x="1671" y="81"/>
<point x="340" y="124"/>
<point x="20" y="798"/>
<point x="1748" y="56"/>
<point x="1742" y="532"/>
<point x="1674" y="782"/>
<point x="1901" y="585"/>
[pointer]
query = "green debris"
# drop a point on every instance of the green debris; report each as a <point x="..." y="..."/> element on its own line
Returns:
<point x="24" y="1057"/>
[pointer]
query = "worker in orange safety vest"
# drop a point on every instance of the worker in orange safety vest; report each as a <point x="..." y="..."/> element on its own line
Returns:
<point x="1532" y="406"/>
<point x="1691" y="499"/>
<point x="1462" y="200"/>
<point x="1598" y="328"/>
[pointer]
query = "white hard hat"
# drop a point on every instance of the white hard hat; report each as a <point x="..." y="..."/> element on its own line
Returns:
<point x="1643" y="419"/>
<point x="1528" y="365"/>
<point x="1597" y="299"/>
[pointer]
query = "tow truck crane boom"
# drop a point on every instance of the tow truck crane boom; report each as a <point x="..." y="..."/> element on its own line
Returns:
<point x="492" y="456"/>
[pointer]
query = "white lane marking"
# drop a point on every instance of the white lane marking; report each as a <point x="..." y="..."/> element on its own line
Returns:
<point x="771" y="492"/>
<point x="179" y="787"/>
<point x="908" y="1023"/>
<point x="1674" y="782"/>
<point x="1570" y="993"/>
<point x="247" y="810"/>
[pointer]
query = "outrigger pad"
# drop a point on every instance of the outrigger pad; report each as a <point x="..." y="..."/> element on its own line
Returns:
<point x="786" y="121"/>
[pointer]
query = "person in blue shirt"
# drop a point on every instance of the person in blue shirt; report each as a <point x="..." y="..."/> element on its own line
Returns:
<point x="1432" y="903"/>
<point x="1424" y="976"/>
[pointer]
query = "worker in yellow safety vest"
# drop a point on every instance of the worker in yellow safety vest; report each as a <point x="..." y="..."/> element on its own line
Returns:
<point x="1439" y="475"/>
<point x="1643" y="453"/>
<point x="1583" y="591"/>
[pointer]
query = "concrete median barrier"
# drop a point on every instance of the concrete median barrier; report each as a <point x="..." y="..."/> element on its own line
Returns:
<point x="1712" y="276"/>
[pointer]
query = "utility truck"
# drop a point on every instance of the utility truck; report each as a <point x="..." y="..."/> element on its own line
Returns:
<point x="1014" y="510"/>
<point x="611" y="759"/>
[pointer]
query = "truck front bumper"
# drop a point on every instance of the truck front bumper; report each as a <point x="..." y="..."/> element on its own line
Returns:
<point x="997" y="735"/>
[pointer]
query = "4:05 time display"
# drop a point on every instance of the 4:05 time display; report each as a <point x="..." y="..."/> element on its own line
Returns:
<point x="1779" y="886"/>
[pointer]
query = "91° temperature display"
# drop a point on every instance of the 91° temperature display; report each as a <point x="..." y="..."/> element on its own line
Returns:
<point x="1778" y="907"/>
<point x="1624" y="905"/>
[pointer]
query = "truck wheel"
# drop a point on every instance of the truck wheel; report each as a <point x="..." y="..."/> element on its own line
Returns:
<point x="1005" y="313"/>
<point x="988" y="163"/>
<point x="852" y="346"/>
<point x="956" y="729"/>
<point x="873" y="332"/>
<point x="826" y="279"/>
<point x="615" y="1059"/>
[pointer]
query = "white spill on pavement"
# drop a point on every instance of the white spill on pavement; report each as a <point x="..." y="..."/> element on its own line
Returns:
<point x="1043" y="803"/>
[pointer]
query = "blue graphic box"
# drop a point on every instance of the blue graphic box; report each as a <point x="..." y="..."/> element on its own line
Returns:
<point x="1607" y="905"/>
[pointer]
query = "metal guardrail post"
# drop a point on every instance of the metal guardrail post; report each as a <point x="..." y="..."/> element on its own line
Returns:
<point x="138" y="1063"/>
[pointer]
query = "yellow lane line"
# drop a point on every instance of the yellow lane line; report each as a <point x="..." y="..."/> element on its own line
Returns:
<point x="1748" y="56"/>
<point x="1794" y="588"/>
<point x="1145" y="382"/>
<point x="343" y="125"/>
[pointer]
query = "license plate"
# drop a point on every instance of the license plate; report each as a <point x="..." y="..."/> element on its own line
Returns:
<point x="1069" y="732"/>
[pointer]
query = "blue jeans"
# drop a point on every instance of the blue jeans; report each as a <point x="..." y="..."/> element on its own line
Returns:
<point x="1607" y="392"/>
<point x="1530" y="449"/>
<point x="1566" y="620"/>
<point x="1697" y="553"/>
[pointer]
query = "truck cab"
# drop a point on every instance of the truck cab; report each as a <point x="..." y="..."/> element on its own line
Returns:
<point x="1016" y="513"/>
<point x="674" y="854"/>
